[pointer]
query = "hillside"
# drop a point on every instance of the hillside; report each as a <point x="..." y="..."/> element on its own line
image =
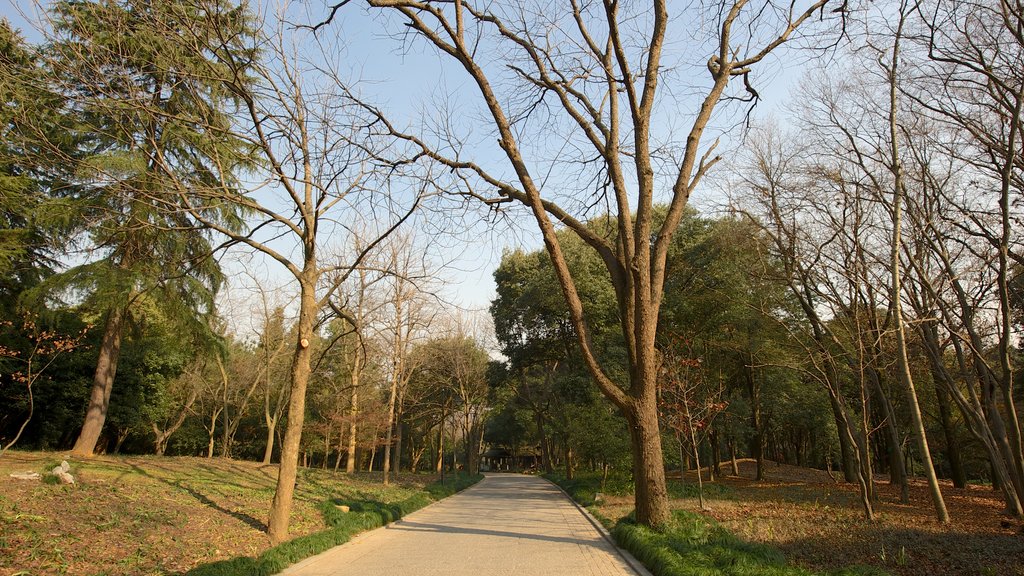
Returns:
<point x="817" y="522"/>
<point x="153" y="515"/>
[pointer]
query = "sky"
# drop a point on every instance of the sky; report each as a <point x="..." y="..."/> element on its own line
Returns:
<point x="409" y="81"/>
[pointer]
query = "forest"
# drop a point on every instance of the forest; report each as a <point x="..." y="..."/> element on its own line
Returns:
<point x="837" y="283"/>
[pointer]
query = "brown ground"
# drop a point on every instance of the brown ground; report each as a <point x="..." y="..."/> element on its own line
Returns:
<point x="819" y="523"/>
<point x="152" y="515"/>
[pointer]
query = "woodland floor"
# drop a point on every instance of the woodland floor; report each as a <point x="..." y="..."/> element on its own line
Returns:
<point x="819" y="523"/>
<point x="156" y="515"/>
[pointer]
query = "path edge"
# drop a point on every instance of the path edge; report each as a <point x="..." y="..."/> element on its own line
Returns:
<point x="291" y="568"/>
<point x="626" y="556"/>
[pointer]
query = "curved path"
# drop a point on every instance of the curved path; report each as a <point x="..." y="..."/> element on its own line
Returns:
<point x="505" y="525"/>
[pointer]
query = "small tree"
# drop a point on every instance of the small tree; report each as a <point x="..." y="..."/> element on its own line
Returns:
<point x="27" y="366"/>
<point x="688" y="399"/>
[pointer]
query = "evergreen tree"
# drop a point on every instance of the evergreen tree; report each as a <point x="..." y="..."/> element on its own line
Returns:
<point x="145" y="104"/>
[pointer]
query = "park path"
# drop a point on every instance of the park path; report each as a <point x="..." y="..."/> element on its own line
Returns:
<point x="507" y="524"/>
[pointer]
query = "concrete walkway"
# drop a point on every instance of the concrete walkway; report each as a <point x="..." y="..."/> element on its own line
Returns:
<point x="505" y="525"/>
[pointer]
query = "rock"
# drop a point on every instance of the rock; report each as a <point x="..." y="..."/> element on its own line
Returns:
<point x="343" y="508"/>
<point x="65" y="466"/>
<point x="25" y="475"/>
<point x="65" y="478"/>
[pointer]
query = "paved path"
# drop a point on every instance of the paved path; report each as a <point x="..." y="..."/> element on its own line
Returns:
<point x="505" y="525"/>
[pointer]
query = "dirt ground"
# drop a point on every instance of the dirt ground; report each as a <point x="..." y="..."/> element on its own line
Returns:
<point x="154" y="515"/>
<point x="819" y="523"/>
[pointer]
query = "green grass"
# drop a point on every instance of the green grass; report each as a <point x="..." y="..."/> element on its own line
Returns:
<point x="692" y="545"/>
<point x="363" y="514"/>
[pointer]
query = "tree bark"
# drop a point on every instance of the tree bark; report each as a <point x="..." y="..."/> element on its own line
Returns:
<point x="648" y="471"/>
<point x="102" y="384"/>
<point x="282" y="504"/>
<point x="353" y="413"/>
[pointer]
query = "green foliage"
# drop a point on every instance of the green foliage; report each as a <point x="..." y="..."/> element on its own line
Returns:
<point x="34" y="142"/>
<point x="362" y="515"/>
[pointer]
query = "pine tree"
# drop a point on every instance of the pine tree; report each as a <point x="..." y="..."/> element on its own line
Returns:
<point x="146" y="103"/>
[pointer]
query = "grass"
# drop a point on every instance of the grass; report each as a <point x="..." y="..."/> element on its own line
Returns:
<point x="159" y="516"/>
<point x="690" y="544"/>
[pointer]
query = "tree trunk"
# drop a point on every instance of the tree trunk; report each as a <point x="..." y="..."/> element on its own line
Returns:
<point x="392" y="400"/>
<point x="648" y="471"/>
<point x="282" y="505"/>
<point x="682" y="457"/>
<point x="396" y="455"/>
<point x="102" y="384"/>
<point x="732" y="457"/>
<point x="353" y="413"/>
<point x="268" y="450"/>
<point x="570" y="469"/>
<point x="897" y="469"/>
<point x="846" y="453"/>
<point x="956" y="464"/>
<point x="440" y="446"/>
<point x="545" y="450"/>
<point x="212" y="429"/>
<point x="756" y="424"/>
<point x="162" y="437"/>
<point x="716" y="453"/>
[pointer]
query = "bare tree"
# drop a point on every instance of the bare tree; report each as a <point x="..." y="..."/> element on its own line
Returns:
<point x="590" y="76"/>
<point x="815" y="228"/>
<point x="311" y="152"/>
<point x="407" y="315"/>
<point x="974" y="83"/>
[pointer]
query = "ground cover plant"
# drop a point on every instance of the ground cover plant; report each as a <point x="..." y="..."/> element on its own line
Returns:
<point x="815" y="523"/>
<point x="149" y="515"/>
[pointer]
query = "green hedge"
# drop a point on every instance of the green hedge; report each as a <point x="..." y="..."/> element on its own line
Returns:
<point x="362" y="515"/>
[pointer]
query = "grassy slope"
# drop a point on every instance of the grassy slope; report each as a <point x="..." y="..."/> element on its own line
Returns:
<point x="149" y="515"/>
<point x="817" y="524"/>
<point x="690" y="545"/>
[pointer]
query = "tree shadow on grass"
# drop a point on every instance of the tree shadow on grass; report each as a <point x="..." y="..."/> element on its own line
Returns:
<point x="913" y="552"/>
<point x="204" y="499"/>
<point x="241" y="516"/>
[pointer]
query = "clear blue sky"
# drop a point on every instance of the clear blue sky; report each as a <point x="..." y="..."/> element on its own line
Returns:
<point x="409" y="80"/>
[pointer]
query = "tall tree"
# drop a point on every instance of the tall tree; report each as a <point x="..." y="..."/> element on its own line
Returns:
<point x="143" y="103"/>
<point x="590" y="75"/>
<point x="316" y="157"/>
